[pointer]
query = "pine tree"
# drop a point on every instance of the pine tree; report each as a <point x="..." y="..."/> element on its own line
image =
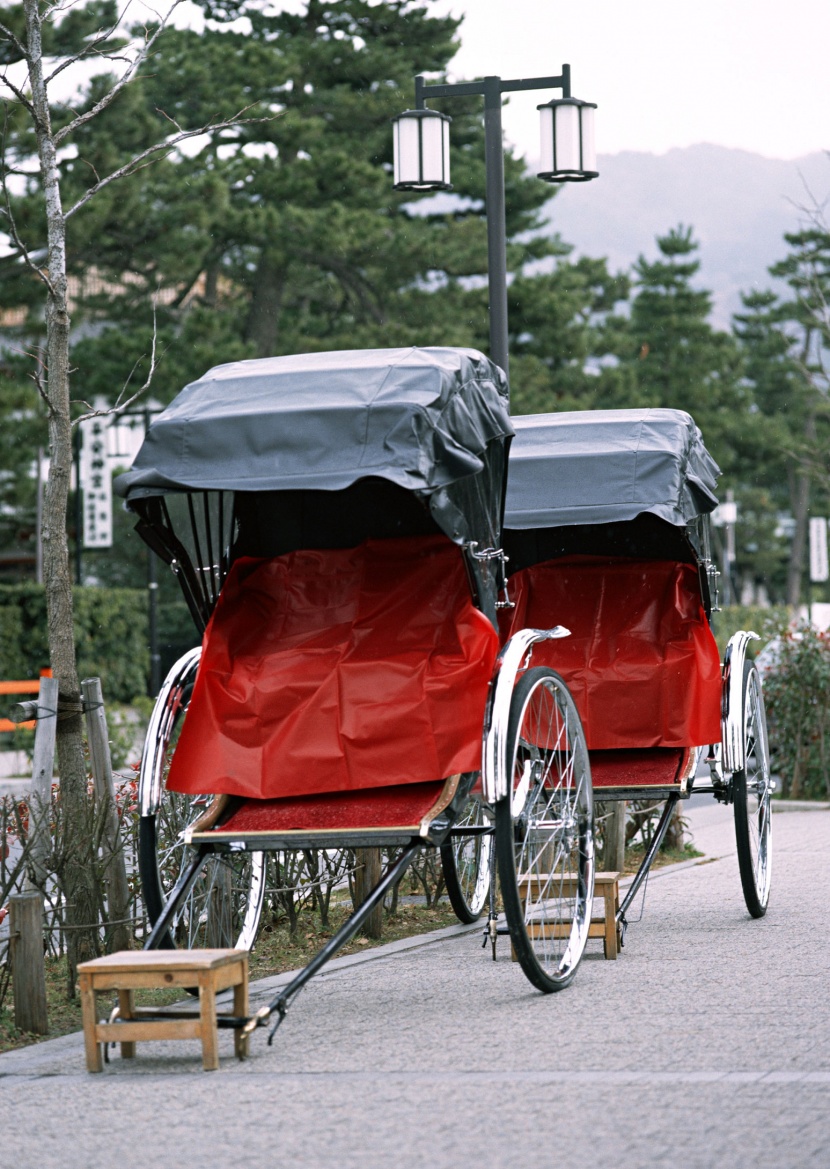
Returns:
<point x="784" y="341"/>
<point x="285" y="235"/>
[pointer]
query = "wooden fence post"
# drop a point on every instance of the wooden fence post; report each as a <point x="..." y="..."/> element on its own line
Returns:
<point x="26" y="953"/>
<point x="367" y="875"/>
<point x="614" y="853"/>
<point x="115" y="871"/>
<point x="43" y="766"/>
<point x="26" y="908"/>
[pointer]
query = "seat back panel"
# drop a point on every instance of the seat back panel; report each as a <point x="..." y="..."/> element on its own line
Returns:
<point x="336" y="670"/>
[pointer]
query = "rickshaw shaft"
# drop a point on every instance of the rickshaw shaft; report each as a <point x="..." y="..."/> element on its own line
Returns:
<point x="651" y="853"/>
<point x="346" y="932"/>
<point x="156" y="940"/>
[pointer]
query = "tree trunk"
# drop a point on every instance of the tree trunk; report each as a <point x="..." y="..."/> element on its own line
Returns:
<point x="800" y="502"/>
<point x="81" y="909"/>
<point x="368" y="871"/>
<point x="266" y="305"/>
<point x="613" y="857"/>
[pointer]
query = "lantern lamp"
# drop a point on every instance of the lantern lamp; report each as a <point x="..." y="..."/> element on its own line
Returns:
<point x="568" y="147"/>
<point x="422" y="151"/>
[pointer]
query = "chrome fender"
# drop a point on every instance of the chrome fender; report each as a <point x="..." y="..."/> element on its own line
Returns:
<point x="732" y="701"/>
<point x="514" y="655"/>
<point x="160" y="728"/>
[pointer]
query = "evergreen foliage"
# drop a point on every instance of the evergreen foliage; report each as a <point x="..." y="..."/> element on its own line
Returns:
<point x="282" y="234"/>
<point x="110" y="636"/>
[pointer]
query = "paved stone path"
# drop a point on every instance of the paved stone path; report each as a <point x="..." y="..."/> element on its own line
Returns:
<point x="707" y="1044"/>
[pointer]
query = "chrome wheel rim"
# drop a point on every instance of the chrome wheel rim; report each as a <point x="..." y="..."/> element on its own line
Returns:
<point x="223" y="909"/>
<point x="473" y="856"/>
<point x="758" y="788"/>
<point x="552" y="812"/>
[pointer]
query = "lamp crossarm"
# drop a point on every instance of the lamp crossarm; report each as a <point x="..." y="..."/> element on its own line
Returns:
<point x="484" y="87"/>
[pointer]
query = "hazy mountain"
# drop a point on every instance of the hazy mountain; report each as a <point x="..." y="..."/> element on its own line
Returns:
<point x="739" y="204"/>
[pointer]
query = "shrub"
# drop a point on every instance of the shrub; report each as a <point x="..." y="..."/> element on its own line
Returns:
<point x="764" y="621"/>
<point x="797" y="697"/>
<point x="110" y="636"/>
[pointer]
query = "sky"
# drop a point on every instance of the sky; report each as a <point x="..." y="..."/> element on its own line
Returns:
<point x="752" y="74"/>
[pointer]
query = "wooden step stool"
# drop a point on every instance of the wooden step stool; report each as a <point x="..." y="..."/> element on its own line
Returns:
<point x="605" y="884"/>
<point x="130" y="970"/>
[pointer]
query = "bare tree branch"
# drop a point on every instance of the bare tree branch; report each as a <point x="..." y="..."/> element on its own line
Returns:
<point x="39" y="379"/>
<point x="37" y="376"/>
<point x="92" y="48"/>
<point x="161" y="148"/>
<point x="126" y="76"/>
<point x="7" y="210"/>
<point x="18" y="44"/>
<point x="120" y="407"/>
<point x="18" y="93"/>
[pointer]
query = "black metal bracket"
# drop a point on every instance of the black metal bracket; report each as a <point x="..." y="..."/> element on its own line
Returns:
<point x="282" y="1001"/>
<point x="181" y="889"/>
<point x="490" y="87"/>
<point x="651" y="853"/>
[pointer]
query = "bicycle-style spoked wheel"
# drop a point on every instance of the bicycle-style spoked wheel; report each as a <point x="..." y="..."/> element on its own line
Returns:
<point x="224" y="906"/>
<point x="751" y="798"/>
<point x="545" y="831"/>
<point x="466" y="861"/>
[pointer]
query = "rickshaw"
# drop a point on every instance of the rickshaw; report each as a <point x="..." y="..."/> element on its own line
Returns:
<point x="607" y="528"/>
<point x="334" y="521"/>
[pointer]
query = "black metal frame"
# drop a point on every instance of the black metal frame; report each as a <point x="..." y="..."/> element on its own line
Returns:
<point x="201" y="579"/>
<point x="491" y="89"/>
<point x="161" y="932"/>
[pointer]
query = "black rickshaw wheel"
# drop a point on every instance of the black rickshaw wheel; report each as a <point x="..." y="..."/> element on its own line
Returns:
<point x="466" y="861"/>
<point x="545" y="831"/>
<point x="751" y="792"/>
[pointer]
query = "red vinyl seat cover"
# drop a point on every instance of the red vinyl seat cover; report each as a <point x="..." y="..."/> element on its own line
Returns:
<point x="641" y="661"/>
<point x="339" y="670"/>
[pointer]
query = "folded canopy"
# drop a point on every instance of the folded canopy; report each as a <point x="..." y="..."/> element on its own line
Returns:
<point x="420" y="418"/>
<point x="604" y="466"/>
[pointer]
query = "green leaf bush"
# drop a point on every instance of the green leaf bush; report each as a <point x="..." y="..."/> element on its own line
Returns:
<point x="110" y="635"/>
<point x="797" y="697"/>
<point x="766" y="621"/>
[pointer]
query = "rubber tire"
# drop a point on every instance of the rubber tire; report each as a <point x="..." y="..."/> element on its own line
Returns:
<point x="148" y="873"/>
<point x="461" y="907"/>
<point x="756" y="908"/>
<point x="505" y="846"/>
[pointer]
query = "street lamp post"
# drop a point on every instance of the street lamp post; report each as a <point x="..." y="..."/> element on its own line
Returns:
<point x="422" y="163"/>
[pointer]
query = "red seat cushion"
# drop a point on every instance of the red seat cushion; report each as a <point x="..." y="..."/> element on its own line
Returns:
<point x="641" y="661"/>
<point x="339" y="670"/>
<point x="652" y="767"/>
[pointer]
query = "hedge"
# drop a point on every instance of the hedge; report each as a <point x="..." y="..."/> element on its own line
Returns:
<point x="797" y="696"/>
<point x="111" y="636"/>
<point x="767" y="622"/>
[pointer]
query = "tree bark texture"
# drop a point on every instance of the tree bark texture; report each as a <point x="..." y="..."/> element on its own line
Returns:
<point x="81" y="907"/>
<point x="28" y="970"/>
<point x="368" y="873"/>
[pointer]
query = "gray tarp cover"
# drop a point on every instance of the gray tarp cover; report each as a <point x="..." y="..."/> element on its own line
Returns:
<point x="601" y="466"/>
<point x="418" y="417"/>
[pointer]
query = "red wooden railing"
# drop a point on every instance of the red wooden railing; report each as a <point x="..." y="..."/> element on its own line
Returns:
<point x="21" y="688"/>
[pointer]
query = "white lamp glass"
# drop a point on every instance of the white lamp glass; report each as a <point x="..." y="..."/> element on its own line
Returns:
<point x="432" y="150"/>
<point x="566" y="138"/>
<point x="589" y="145"/>
<point x="422" y="151"/>
<point x="407" y="151"/>
<point x="546" y="139"/>
<point x="568" y="150"/>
